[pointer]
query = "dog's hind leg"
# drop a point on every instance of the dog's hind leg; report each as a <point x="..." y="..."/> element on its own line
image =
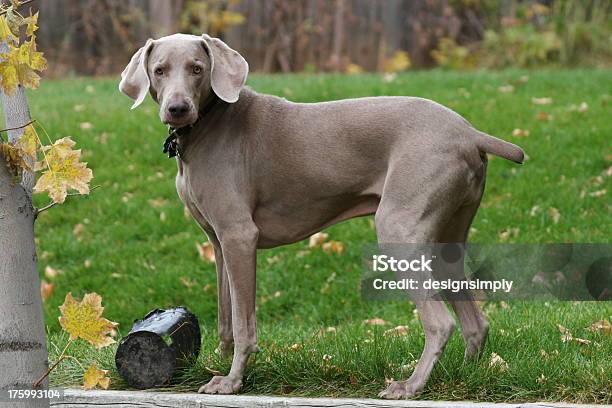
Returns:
<point x="474" y="325"/>
<point x="418" y="219"/>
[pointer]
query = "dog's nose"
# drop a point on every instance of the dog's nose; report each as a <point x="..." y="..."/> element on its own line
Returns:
<point x="178" y="109"/>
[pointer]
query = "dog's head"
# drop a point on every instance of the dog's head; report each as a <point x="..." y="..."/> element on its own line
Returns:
<point x="181" y="71"/>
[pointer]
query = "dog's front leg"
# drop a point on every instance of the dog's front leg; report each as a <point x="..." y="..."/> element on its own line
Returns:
<point x="239" y="247"/>
<point x="224" y="303"/>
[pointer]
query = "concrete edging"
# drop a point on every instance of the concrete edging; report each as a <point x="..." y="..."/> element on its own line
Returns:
<point x="74" y="398"/>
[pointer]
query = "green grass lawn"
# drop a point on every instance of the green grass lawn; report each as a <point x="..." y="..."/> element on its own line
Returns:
<point x="131" y="242"/>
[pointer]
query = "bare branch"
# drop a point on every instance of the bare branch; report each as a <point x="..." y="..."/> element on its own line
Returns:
<point x="22" y="4"/>
<point x="52" y="204"/>
<point x="18" y="127"/>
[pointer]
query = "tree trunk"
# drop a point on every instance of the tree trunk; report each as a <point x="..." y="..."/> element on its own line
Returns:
<point x="23" y="349"/>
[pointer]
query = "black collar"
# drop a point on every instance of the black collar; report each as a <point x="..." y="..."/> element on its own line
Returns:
<point x="171" y="146"/>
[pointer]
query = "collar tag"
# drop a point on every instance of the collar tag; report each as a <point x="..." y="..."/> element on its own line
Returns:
<point x="171" y="146"/>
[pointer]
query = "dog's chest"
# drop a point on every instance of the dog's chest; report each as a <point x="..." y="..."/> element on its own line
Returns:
<point x="185" y="193"/>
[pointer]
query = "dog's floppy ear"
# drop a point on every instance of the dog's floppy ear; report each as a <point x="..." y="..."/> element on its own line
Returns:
<point x="228" y="69"/>
<point x="135" y="81"/>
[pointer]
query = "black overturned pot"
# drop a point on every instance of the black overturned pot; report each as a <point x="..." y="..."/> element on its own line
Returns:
<point x="157" y="344"/>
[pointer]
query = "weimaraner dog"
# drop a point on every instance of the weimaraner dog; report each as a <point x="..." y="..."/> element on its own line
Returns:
<point x="258" y="171"/>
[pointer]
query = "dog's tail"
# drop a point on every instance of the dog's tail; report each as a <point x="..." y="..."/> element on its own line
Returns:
<point x="490" y="144"/>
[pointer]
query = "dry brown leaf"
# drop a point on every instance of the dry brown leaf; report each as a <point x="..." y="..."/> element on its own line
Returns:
<point x="601" y="326"/>
<point x="78" y="229"/>
<point x="541" y="101"/>
<point x="157" y="202"/>
<point x="296" y="347"/>
<point x="599" y="193"/>
<point x="497" y="362"/>
<point x="206" y="251"/>
<point x="544" y="116"/>
<point x="335" y="247"/>
<point x="46" y="290"/>
<point x="375" y="322"/>
<point x="188" y="283"/>
<point x="50" y="272"/>
<point x="316" y="240"/>
<point x="566" y="336"/>
<point x="520" y="132"/>
<point x="397" y="331"/>
<point x="554" y="214"/>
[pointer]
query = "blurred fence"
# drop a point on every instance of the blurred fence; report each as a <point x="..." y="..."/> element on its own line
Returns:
<point x="98" y="36"/>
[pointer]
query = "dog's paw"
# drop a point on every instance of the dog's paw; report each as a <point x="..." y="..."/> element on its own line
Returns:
<point x="400" y="390"/>
<point x="221" y="385"/>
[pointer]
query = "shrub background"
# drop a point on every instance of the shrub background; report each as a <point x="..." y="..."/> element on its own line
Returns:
<point x="98" y="37"/>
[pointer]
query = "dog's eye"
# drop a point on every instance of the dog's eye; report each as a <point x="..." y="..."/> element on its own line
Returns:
<point x="159" y="71"/>
<point x="197" y="69"/>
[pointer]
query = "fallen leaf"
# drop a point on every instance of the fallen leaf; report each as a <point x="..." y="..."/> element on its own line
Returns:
<point x="94" y="377"/>
<point x="554" y="214"/>
<point x="50" y="272"/>
<point x="86" y="125"/>
<point x="375" y="322"/>
<point x="206" y="251"/>
<point x="541" y="101"/>
<point x="601" y="326"/>
<point x="397" y="331"/>
<point x="188" y="283"/>
<point x="78" y="229"/>
<point x="296" y="347"/>
<point x="497" y="362"/>
<point x="87" y="263"/>
<point x="506" y="89"/>
<point x="599" y="193"/>
<point x="316" y="240"/>
<point x="157" y="202"/>
<point x="335" y="247"/>
<point x="84" y="320"/>
<point x="583" y="107"/>
<point x="566" y="336"/>
<point x="46" y="289"/>
<point x="78" y="108"/>
<point x="543" y="116"/>
<point x="520" y="132"/>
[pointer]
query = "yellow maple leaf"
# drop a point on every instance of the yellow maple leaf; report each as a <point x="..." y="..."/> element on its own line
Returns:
<point x="19" y="64"/>
<point x="84" y="320"/>
<point x="6" y="35"/>
<point x="14" y="20"/>
<point x="28" y="142"/>
<point x="94" y="377"/>
<point x="64" y="171"/>
<point x="32" y="22"/>
<point x="12" y="156"/>
<point x="22" y="154"/>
